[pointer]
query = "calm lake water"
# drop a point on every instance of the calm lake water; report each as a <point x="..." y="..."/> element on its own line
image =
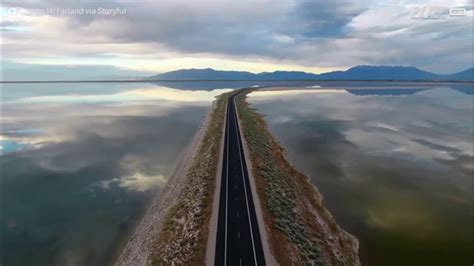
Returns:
<point x="394" y="164"/>
<point x="80" y="163"/>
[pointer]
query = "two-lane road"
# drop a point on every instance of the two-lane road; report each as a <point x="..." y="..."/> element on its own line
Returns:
<point x="238" y="238"/>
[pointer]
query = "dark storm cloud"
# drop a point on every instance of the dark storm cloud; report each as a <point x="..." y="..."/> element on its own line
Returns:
<point x="316" y="19"/>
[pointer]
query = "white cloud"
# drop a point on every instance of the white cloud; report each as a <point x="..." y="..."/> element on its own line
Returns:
<point x="288" y="33"/>
<point x="140" y="182"/>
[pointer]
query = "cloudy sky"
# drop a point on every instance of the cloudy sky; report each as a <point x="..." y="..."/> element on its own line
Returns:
<point x="159" y="36"/>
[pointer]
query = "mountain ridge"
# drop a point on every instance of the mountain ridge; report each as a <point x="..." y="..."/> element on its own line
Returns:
<point x="361" y="72"/>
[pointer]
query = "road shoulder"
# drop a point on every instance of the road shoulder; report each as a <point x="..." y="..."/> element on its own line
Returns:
<point x="269" y="257"/>
<point x="211" y="240"/>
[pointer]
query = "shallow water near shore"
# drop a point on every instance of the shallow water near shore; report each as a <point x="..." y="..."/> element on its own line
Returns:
<point x="394" y="165"/>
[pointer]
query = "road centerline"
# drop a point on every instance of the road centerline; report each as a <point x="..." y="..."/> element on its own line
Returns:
<point x="245" y="187"/>
<point x="241" y="244"/>
<point x="227" y="190"/>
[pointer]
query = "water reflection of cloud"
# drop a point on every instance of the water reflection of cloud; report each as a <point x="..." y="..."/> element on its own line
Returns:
<point x="402" y="165"/>
<point x="82" y="142"/>
<point x="31" y="122"/>
<point x="137" y="182"/>
<point x="404" y="145"/>
<point x="129" y="96"/>
<point x="85" y="178"/>
<point x="385" y="126"/>
<point x="140" y="182"/>
<point x="138" y="151"/>
<point x="283" y="91"/>
<point x="384" y="123"/>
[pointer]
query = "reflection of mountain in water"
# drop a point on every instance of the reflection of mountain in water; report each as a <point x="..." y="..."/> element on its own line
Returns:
<point x="212" y="85"/>
<point x="466" y="89"/>
<point x="397" y="91"/>
<point x="389" y="88"/>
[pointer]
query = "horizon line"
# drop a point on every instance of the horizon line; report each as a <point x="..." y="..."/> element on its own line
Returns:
<point x="228" y="80"/>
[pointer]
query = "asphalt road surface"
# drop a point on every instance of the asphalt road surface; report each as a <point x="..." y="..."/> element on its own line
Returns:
<point x="238" y="238"/>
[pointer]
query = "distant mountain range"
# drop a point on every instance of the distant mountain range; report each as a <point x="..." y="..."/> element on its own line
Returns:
<point x="354" y="73"/>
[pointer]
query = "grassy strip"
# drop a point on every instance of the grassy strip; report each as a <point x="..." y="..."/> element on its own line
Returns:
<point x="301" y="230"/>
<point x="183" y="238"/>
